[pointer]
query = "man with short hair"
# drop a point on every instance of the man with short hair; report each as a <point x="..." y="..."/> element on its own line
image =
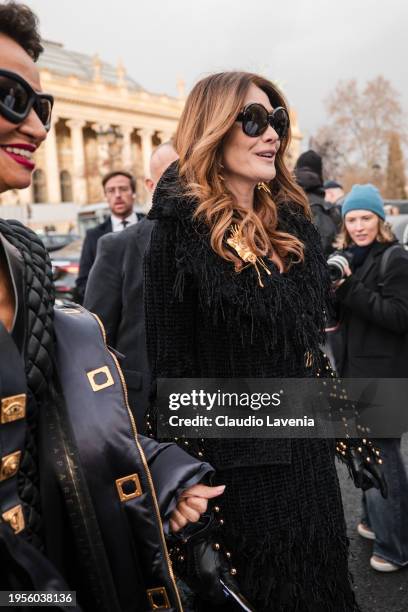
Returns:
<point x="161" y="158"/>
<point x="120" y="190"/>
<point x="115" y="292"/>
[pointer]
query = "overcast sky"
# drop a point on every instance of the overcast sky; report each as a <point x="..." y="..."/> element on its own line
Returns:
<point x="305" y="45"/>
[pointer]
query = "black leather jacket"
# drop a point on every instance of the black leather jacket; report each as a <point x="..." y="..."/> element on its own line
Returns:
<point x="90" y="515"/>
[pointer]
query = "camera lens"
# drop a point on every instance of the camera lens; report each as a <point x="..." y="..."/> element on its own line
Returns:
<point x="337" y="266"/>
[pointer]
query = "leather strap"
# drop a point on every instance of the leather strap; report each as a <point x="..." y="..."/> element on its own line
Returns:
<point x="12" y="433"/>
<point x="384" y="263"/>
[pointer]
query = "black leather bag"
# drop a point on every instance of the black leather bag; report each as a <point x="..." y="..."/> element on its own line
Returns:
<point x="200" y="560"/>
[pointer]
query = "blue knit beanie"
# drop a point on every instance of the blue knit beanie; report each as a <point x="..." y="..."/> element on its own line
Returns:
<point x="364" y="197"/>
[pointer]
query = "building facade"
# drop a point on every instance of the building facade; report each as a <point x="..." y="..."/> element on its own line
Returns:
<point x="103" y="120"/>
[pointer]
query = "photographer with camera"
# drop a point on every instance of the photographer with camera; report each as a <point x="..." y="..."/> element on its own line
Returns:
<point x="370" y="275"/>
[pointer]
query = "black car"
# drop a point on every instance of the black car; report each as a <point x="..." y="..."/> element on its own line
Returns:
<point x="53" y="241"/>
<point x="65" y="265"/>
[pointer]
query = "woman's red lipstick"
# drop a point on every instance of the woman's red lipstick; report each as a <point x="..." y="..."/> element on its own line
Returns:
<point x="15" y="152"/>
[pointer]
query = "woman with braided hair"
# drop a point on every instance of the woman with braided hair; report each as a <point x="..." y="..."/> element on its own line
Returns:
<point x="78" y="507"/>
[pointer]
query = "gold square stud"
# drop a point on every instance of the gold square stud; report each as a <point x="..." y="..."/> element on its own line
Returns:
<point x="134" y="482"/>
<point x="15" y="518"/>
<point x="9" y="465"/>
<point x="158" y="598"/>
<point x="101" y="378"/>
<point x="13" y="408"/>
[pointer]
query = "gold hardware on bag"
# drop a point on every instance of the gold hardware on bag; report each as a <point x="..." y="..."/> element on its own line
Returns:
<point x="107" y="379"/>
<point x="15" y="518"/>
<point x="134" y="479"/>
<point x="9" y="465"/>
<point x="158" y="598"/>
<point x="13" y="408"/>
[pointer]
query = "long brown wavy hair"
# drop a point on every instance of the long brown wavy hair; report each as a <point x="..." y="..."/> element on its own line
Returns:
<point x="209" y="114"/>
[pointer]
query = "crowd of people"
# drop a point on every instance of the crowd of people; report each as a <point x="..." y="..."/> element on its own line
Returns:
<point x="230" y="275"/>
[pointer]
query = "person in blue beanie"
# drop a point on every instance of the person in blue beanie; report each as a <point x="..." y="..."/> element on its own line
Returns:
<point x="364" y="197"/>
<point x="374" y="331"/>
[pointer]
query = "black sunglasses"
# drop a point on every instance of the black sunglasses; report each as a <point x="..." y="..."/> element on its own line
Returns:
<point x="255" y="120"/>
<point x="17" y="98"/>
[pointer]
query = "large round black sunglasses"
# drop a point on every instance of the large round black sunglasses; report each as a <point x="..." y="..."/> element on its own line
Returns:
<point x="17" y="98"/>
<point x="255" y="120"/>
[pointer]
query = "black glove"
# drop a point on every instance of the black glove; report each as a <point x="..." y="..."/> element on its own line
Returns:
<point x="364" y="463"/>
<point x="200" y="561"/>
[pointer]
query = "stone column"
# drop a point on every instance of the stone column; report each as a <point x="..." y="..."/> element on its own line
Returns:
<point x="26" y="198"/>
<point x="78" y="158"/>
<point x="147" y="148"/>
<point x="165" y="136"/>
<point x="127" y="160"/>
<point x="51" y="166"/>
<point x="104" y="161"/>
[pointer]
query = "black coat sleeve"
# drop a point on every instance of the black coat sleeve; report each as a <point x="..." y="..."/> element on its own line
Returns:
<point x="103" y="294"/>
<point x="388" y="309"/>
<point x="173" y="471"/>
<point x="169" y="306"/>
<point x="85" y="264"/>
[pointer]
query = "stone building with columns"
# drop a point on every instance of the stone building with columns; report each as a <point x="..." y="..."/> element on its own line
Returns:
<point x="103" y="120"/>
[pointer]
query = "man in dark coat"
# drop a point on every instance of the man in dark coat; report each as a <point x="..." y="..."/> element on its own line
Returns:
<point x="115" y="292"/>
<point x="120" y="190"/>
<point x="327" y="219"/>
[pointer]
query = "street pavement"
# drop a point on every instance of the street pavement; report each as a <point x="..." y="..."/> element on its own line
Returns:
<point x="375" y="592"/>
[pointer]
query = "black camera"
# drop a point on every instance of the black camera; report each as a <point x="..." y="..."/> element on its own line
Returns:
<point x="338" y="262"/>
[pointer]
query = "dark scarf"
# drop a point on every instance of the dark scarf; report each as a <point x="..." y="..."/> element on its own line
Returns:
<point x="360" y="254"/>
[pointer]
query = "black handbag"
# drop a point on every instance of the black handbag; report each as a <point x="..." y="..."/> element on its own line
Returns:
<point x="201" y="562"/>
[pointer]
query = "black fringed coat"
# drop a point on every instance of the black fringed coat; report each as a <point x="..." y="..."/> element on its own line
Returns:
<point x="282" y="508"/>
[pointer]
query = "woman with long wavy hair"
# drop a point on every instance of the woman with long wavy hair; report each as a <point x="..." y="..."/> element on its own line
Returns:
<point x="236" y="286"/>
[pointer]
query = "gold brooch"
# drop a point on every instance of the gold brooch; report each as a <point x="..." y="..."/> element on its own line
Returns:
<point x="240" y="246"/>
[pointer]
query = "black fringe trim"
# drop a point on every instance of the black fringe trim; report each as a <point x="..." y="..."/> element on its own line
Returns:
<point x="301" y="572"/>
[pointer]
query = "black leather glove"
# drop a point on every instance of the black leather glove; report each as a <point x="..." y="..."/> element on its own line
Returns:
<point x="200" y="561"/>
<point x="364" y="463"/>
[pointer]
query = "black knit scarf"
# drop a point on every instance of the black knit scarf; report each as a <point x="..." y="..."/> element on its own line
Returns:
<point x="290" y="306"/>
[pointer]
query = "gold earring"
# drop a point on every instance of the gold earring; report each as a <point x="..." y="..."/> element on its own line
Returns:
<point x="264" y="187"/>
